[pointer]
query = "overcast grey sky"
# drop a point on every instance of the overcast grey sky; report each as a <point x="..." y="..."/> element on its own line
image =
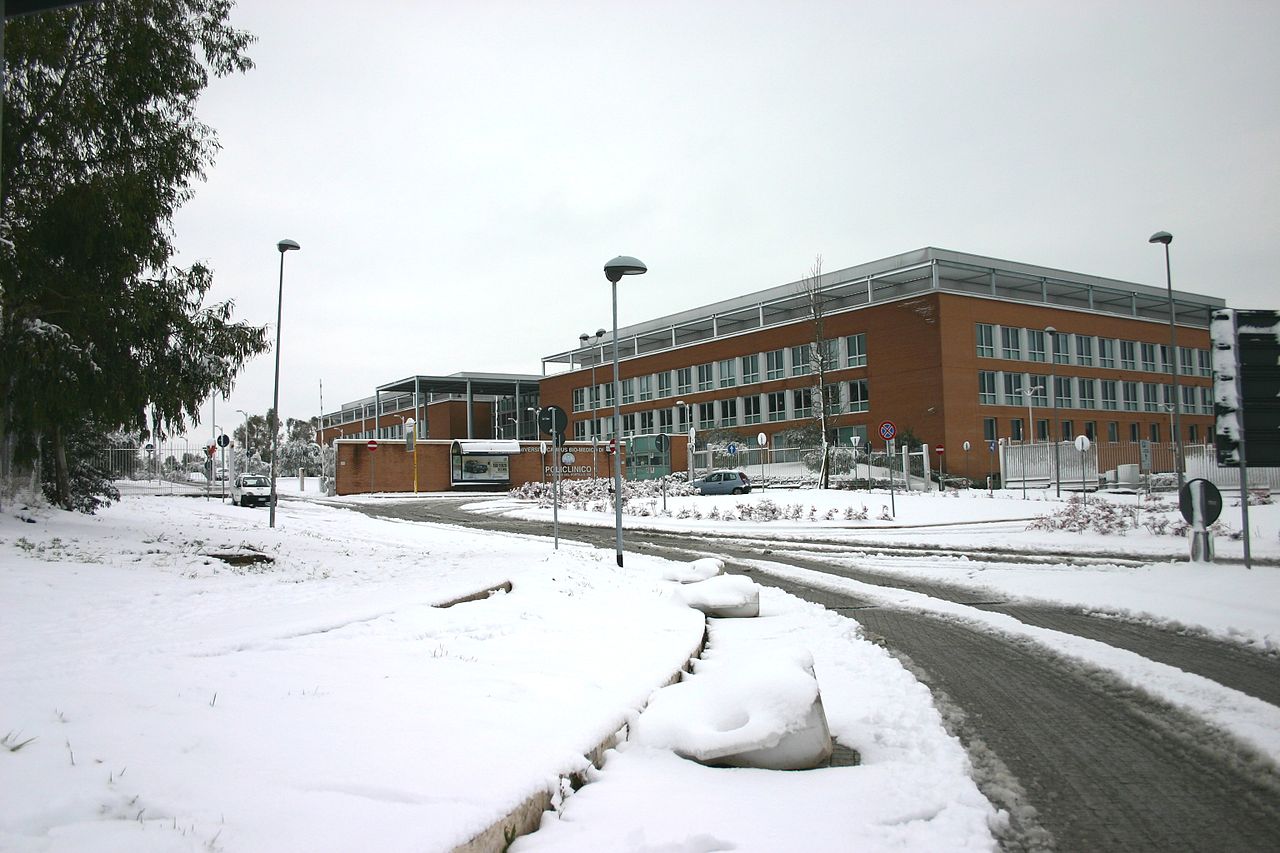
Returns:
<point x="458" y="173"/>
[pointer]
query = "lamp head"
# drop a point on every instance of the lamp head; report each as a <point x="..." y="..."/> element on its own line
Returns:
<point x="599" y="333"/>
<point x="583" y="338"/>
<point x="287" y="245"/>
<point x="1161" y="237"/>
<point x="624" y="265"/>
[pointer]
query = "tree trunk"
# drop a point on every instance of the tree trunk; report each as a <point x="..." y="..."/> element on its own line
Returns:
<point x="61" y="473"/>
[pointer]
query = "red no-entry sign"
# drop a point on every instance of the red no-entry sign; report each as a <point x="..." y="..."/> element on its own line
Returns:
<point x="373" y="445"/>
<point x="939" y="449"/>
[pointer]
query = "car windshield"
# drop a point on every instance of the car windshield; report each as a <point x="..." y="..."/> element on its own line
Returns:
<point x="253" y="481"/>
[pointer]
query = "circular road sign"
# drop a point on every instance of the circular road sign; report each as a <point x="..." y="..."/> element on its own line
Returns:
<point x="1082" y="443"/>
<point x="939" y="449"/>
<point x="888" y="430"/>
<point x="1200" y="494"/>
<point x="553" y="420"/>
<point x="224" y="440"/>
<point x="661" y="442"/>
<point x="372" y="445"/>
<point x="150" y="448"/>
<point x="762" y="439"/>
<point x="733" y="449"/>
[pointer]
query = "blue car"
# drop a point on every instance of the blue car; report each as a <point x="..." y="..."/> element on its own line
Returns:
<point x="723" y="483"/>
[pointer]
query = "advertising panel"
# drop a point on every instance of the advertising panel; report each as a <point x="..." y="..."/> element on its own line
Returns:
<point x="481" y="469"/>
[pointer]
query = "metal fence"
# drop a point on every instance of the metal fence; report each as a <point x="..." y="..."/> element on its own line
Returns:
<point x="1121" y="463"/>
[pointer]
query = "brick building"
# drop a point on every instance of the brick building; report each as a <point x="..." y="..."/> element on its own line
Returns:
<point x="951" y="347"/>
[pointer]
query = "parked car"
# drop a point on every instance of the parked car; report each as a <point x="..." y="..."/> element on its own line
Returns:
<point x="251" y="490"/>
<point x="723" y="483"/>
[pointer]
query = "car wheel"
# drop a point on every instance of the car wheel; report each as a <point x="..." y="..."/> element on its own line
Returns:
<point x="737" y="491"/>
<point x="234" y="502"/>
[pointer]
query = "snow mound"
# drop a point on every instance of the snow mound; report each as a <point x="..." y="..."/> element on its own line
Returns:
<point x="763" y="712"/>
<point x="698" y="570"/>
<point x="723" y="596"/>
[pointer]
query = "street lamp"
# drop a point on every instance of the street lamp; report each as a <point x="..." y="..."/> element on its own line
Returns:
<point x="515" y="421"/>
<point x="1176" y="427"/>
<point x="537" y="436"/>
<point x="1053" y="391"/>
<point x="614" y="270"/>
<point x="688" y="410"/>
<point x="1030" y="436"/>
<point x="246" y="438"/>
<point x="283" y="246"/>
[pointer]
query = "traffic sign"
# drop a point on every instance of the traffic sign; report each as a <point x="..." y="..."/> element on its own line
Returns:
<point x="372" y="445"/>
<point x="733" y="449"/>
<point x="150" y="448"/>
<point x="939" y="449"/>
<point x="991" y="446"/>
<point x="224" y="440"/>
<point x="613" y="446"/>
<point x="211" y="449"/>
<point x="888" y="430"/>
<point x="762" y="439"/>
<point x="1200" y="497"/>
<point x="553" y="420"/>
<point x="662" y="443"/>
<point x="1082" y="443"/>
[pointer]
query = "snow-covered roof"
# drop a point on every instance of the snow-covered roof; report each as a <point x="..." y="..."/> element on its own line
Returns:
<point x="470" y="446"/>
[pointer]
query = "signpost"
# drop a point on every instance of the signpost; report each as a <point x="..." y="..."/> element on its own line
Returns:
<point x="887" y="432"/>
<point x="942" y="468"/>
<point x="762" y="440"/>
<point x="553" y="419"/>
<point x="991" y="471"/>
<point x="411" y="445"/>
<point x="1200" y="503"/>
<point x="373" y="446"/>
<point x="855" y="440"/>
<point x="1082" y="444"/>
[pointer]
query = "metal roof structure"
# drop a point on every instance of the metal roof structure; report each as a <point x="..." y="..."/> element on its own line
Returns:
<point x="487" y="384"/>
<point x="895" y="277"/>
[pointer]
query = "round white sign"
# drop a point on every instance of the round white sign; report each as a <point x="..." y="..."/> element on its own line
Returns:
<point x="762" y="439"/>
<point x="1082" y="443"/>
<point x="568" y="458"/>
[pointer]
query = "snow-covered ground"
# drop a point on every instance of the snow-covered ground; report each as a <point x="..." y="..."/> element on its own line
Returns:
<point x="154" y="696"/>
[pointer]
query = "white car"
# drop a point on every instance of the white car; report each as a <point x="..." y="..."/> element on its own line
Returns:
<point x="251" y="489"/>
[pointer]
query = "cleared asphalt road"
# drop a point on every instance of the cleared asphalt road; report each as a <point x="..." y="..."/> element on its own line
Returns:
<point x="1081" y="761"/>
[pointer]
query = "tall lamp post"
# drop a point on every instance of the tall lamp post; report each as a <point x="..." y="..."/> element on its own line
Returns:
<point x="246" y="440"/>
<point x="537" y="436"/>
<point x="1030" y="437"/>
<point x="614" y="270"/>
<point x="283" y="246"/>
<point x="1053" y="390"/>
<point x="595" y="403"/>
<point x="1166" y="238"/>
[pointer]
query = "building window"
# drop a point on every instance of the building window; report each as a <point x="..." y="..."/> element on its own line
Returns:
<point x="610" y="390"/>
<point x="684" y="380"/>
<point x="1062" y="392"/>
<point x="750" y="368"/>
<point x="579" y="430"/>
<point x="1193" y="433"/>
<point x="987" y="387"/>
<point x="1015" y="429"/>
<point x="986" y="340"/>
<point x="1039" y="390"/>
<point x="1084" y="350"/>
<point x="1109" y="395"/>
<point x="1149" y="358"/>
<point x="646" y="423"/>
<point x="989" y="429"/>
<point x="1113" y="432"/>
<point x="1067" y="430"/>
<point x="728" y="373"/>
<point x="831" y="398"/>
<point x="664" y="420"/>
<point x="1206" y="400"/>
<point x="1166" y="359"/>
<point x="830" y="353"/>
<point x="629" y="424"/>
<point x="1130" y="396"/>
<point x="1188" y="398"/>
<point x="1154" y="432"/>
<point x="800" y="360"/>
<point x="682" y="414"/>
<point x="706" y="415"/>
<point x="859" y="396"/>
<point x="856" y="350"/>
<point x="1013" y="389"/>
<point x="1134" y="433"/>
<point x="777" y="406"/>
<point x="646" y="387"/>
<point x="1150" y="397"/>
<point x="751" y="409"/>
<point x="801" y="403"/>
<point x="579" y="399"/>
<point x="1035" y="344"/>
<point x="1106" y="352"/>
<point x="729" y="412"/>
<point x="1088" y="399"/>
<point x="1011" y="342"/>
<point x="706" y="377"/>
<point x="628" y="391"/>
<point x="775" y="364"/>
<point x="1128" y="355"/>
<point x="1061" y="344"/>
<point x="664" y="383"/>
<point x="1042" y="430"/>
<point x="1186" y="361"/>
<point x="1204" y="362"/>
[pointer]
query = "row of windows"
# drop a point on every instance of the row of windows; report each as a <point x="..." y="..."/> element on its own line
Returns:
<point x="1000" y="388"/>
<point x="1019" y="344"/>
<point x="796" y="404"/>
<point x="834" y="354"/>
<point x="1155" y="431"/>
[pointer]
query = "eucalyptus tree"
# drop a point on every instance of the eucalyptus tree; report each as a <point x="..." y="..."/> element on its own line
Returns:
<point x="101" y="146"/>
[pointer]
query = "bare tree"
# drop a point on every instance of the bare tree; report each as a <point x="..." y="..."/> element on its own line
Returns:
<point x="821" y="361"/>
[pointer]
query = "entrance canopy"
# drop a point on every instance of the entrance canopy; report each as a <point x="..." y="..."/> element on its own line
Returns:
<point x="484" y="447"/>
